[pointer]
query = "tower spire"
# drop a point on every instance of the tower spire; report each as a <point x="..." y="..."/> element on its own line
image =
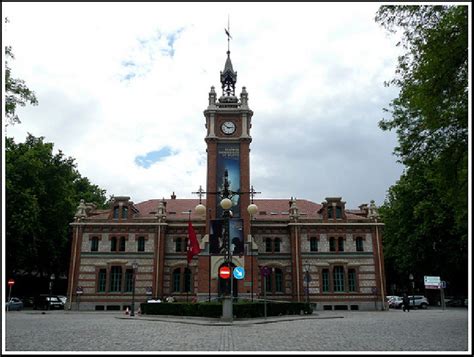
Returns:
<point x="228" y="76"/>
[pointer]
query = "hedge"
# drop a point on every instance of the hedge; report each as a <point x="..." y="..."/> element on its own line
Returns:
<point x="214" y="309"/>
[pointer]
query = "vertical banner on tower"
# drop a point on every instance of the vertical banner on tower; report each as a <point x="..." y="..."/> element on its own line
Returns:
<point x="236" y="234"/>
<point x="228" y="158"/>
<point x="218" y="243"/>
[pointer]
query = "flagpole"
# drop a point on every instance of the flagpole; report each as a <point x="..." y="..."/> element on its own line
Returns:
<point x="209" y="255"/>
<point x="187" y="261"/>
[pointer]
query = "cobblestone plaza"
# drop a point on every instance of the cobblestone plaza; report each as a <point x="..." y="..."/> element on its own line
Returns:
<point x="393" y="330"/>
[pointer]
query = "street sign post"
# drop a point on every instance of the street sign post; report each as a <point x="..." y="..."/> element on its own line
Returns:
<point x="11" y="282"/>
<point x="432" y="282"/>
<point x="79" y="292"/>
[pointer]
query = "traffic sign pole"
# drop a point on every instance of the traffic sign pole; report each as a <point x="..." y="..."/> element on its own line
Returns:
<point x="11" y="282"/>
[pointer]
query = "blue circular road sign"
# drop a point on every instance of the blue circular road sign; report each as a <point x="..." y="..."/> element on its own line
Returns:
<point x="239" y="272"/>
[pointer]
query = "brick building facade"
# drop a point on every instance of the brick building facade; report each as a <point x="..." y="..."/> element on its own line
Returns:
<point x="322" y="253"/>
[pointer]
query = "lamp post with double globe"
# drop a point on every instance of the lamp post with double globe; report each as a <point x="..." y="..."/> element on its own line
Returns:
<point x="51" y="280"/>
<point x="412" y="281"/>
<point x="226" y="204"/>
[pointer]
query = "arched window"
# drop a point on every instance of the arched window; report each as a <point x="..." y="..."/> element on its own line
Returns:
<point x="338" y="277"/>
<point x="332" y="244"/>
<point x="116" y="212"/>
<point x="113" y="244"/>
<point x="176" y="279"/>
<point x="94" y="244"/>
<point x="359" y="244"/>
<point x="340" y="244"/>
<point x="313" y="244"/>
<point x="141" y="244"/>
<point x="268" y="245"/>
<point x="122" y="244"/>
<point x="276" y="245"/>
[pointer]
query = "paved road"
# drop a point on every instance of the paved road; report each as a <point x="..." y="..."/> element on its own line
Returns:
<point x="394" y="330"/>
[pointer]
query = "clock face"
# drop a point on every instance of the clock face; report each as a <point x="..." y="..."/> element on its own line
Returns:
<point x="228" y="127"/>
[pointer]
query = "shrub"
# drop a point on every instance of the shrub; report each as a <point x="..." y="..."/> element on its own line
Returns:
<point x="214" y="309"/>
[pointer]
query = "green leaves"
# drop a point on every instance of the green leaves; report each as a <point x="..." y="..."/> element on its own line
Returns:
<point x="16" y="92"/>
<point x="42" y="192"/>
<point x="426" y="211"/>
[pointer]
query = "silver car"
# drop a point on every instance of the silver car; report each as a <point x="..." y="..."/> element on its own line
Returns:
<point x="418" y="301"/>
<point x="14" y="304"/>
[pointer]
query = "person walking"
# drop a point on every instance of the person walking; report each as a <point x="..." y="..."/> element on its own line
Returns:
<point x="406" y="302"/>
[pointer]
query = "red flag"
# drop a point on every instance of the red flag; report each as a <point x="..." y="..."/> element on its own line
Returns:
<point x="193" y="244"/>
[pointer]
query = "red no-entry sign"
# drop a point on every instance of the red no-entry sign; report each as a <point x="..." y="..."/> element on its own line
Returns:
<point x="224" y="272"/>
<point x="11" y="282"/>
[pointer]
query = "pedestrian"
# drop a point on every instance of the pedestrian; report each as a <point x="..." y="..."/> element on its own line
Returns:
<point x="406" y="302"/>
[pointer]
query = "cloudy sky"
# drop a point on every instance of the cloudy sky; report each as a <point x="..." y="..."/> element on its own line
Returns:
<point x="122" y="88"/>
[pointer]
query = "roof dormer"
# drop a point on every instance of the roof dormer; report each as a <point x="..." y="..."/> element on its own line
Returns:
<point x="333" y="209"/>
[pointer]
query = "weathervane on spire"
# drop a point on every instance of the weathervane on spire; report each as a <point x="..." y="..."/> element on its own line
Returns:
<point x="227" y="32"/>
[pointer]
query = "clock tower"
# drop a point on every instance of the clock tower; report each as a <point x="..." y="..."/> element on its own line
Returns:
<point x="228" y="123"/>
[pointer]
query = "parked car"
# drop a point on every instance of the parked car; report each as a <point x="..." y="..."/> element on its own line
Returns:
<point x="153" y="300"/>
<point x="63" y="299"/>
<point x="47" y="302"/>
<point x="395" y="302"/>
<point x="418" y="301"/>
<point x="28" y="301"/>
<point x="14" y="304"/>
<point x="456" y="302"/>
<point x="389" y="297"/>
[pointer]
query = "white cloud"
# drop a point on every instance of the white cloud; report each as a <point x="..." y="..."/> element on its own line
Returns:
<point x="314" y="73"/>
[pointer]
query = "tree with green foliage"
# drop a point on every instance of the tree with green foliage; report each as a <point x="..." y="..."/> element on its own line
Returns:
<point x="42" y="193"/>
<point x="426" y="211"/>
<point x="16" y="92"/>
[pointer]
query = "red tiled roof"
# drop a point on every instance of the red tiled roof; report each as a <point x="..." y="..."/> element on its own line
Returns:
<point x="268" y="209"/>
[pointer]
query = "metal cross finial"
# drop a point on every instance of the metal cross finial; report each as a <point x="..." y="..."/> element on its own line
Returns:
<point x="227" y="31"/>
<point x="199" y="192"/>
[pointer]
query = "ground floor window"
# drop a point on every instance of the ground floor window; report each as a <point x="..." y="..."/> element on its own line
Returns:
<point x="338" y="276"/>
<point x="101" y="281"/>
<point x="182" y="280"/>
<point x="325" y="280"/>
<point x="115" y="279"/>
<point x="274" y="283"/>
<point x="339" y="279"/>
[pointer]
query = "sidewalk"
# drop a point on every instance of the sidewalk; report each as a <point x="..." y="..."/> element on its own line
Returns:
<point x="209" y="321"/>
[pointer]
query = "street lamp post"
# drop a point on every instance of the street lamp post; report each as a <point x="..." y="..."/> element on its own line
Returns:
<point x="226" y="203"/>
<point x="307" y="282"/>
<point x="51" y="279"/>
<point x="412" y="281"/>
<point x="134" y="267"/>
<point x="252" y="209"/>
